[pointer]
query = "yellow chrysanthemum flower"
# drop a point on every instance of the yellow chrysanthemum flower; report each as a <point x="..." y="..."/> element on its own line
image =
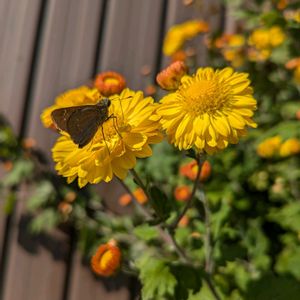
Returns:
<point x="269" y="147"/>
<point x="209" y="110"/>
<point x="178" y="34"/>
<point x="290" y="147"/>
<point x="264" y="40"/>
<point x="113" y="152"/>
<point x="75" y="97"/>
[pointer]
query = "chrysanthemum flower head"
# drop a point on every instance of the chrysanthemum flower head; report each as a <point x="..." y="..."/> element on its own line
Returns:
<point x="116" y="144"/>
<point x="269" y="147"/>
<point x="209" y="110"/>
<point x="75" y="97"/>
<point x="109" y="83"/>
<point x="180" y="33"/>
<point x="294" y="64"/>
<point x="169" y="78"/>
<point x="290" y="147"/>
<point x="264" y="40"/>
<point x="106" y="260"/>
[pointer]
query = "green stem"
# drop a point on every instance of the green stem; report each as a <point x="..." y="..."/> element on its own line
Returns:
<point x="189" y="202"/>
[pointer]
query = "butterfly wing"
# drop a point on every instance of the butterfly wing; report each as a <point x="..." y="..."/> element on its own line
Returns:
<point x="83" y="123"/>
<point x="61" y="116"/>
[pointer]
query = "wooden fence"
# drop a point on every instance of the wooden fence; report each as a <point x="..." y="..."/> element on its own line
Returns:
<point x="46" y="47"/>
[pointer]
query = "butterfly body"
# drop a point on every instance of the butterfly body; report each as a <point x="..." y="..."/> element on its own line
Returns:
<point x="81" y="122"/>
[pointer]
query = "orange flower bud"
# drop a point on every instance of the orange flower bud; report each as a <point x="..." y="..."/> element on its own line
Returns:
<point x="125" y="199"/>
<point x="179" y="55"/>
<point x="182" y="193"/>
<point x="7" y="165"/>
<point x="298" y="115"/>
<point x="184" y="221"/>
<point x="293" y="63"/>
<point x="29" y="143"/>
<point x="190" y="170"/>
<point x="70" y="197"/>
<point x="205" y="171"/>
<point x="106" y="260"/>
<point x="140" y="196"/>
<point x="65" y="208"/>
<point x="150" y="90"/>
<point x="169" y="78"/>
<point x="109" y="83"/>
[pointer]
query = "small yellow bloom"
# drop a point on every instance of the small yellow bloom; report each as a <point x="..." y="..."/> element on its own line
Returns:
<point x="106" y="261"/>
<point x="75" y="97"/>
<point x="115" y="146"/>
<point x="290" y="147"/>
<point x="232" y="46"/>
<point x="180" y="33"/>
<point x="264" y="40"/>
<point x="292" y="15"/>
<point x="169" y="78"/>
<point x="269" y="147"/>
<point x="209" y="110"/>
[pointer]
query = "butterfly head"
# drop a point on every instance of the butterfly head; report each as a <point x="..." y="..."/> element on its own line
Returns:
<point x="105" y="102"/>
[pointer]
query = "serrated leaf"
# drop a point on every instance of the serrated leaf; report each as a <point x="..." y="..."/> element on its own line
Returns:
<point x="145" y="232"/>
<point x="44" y="190"/>
<point x="160" y="202"/>
<point x="21" y="170"/>
<point x="45" y="221"/>
<point x="157" y="280"/>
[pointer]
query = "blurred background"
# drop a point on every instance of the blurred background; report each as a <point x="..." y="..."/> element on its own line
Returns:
<point x="47" y="47"/>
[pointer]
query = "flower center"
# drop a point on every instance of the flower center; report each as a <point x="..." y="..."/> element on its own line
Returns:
<point x="111" y="80"/>
<point x="105" y="259"/>
<point x="204" y="96"/>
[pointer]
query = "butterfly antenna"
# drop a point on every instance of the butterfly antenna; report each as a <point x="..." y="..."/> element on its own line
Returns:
<point x="116" y="125"/>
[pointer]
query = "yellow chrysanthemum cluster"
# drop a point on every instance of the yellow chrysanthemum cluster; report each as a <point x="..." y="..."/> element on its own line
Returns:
<point x="114" y="151"/>
<point x="209" y="110"/>
<point x="232" y="48"/>
<point x="263" y="41"/>
<point x="180" y="33"/>
<point x="274" y="146"/>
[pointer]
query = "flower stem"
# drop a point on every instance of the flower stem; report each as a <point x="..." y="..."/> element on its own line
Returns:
<point x="189" y="202"/>
<point x="209" y="263"/>
<point x="166" y="235"/>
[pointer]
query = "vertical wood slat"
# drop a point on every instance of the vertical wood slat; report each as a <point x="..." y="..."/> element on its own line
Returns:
<point x="85" y="286"/>
<point x="206" y="10"/>
<point x="18" y="22"/>
<point x="131" y="38"/>
<point x="34" y="272"/>
<point x="66" y="58"/>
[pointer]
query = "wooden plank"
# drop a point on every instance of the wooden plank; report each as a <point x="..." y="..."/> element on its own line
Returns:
<point x="36" y="267"/>
<point x="86" y="286"/>
<point x="130" y="39"/>
<point x="210" y="11"/>
<point x="66" y="58"/>
<point x="18" y="21"/>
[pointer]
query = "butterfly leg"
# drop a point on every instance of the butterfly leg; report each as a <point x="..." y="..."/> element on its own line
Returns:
<point x="116" y="125"/>
<point x="104" y="139"/>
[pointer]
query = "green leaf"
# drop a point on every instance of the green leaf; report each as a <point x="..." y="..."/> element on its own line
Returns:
<point x="287" y="216"/>
<point x="160" y="202"/>
<point x="157" y="280"/>
<point x="21" y="170"/>
<point x="43" y="192"/>
<point x="289" y="261"/>
<point x="189" y="280"/>
<point x="44" y="221"/>
<point x="146" y="232"/>
<point x="270" y="287"/>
